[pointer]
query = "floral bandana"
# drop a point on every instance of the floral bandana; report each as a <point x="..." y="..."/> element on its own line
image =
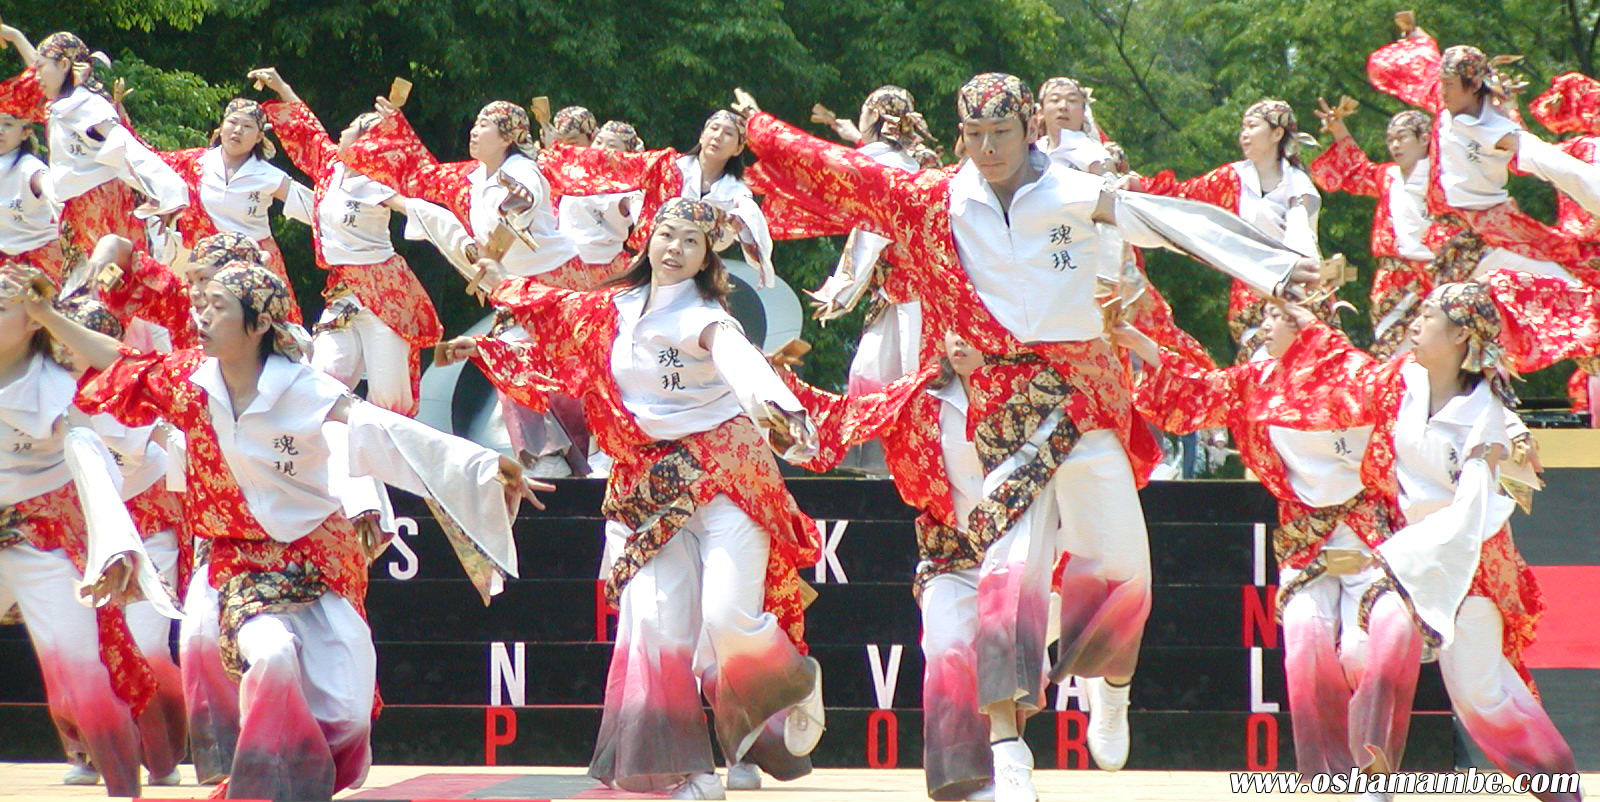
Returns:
<point x="1417" y="122"/>
<point x="1470" y="65"/>
<point x="67" y="45"/>
<point x="257" y="288"/>
<point x="574" y="120"/>
<point x="995" y="94"/>
<point x="724" y="116"/>
<point x="86" y="312"/>
<point x="718" y="228"/>
<point x="1468" y="304"/>
<point x="253" y="110"/>
<point x="511" y="121"/>
<point x="624" y="132"/>
<point x="902" y="125"/>
<point x="1279" y="114"/>
<point x="224" y="247"/>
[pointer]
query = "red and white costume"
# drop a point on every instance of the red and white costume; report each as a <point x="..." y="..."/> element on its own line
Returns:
<point x="379" y="318"/>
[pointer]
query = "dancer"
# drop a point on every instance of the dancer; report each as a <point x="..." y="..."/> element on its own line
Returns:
<point x="1404" y="275"/>
<point x="28" y="230"/>
<point x="574" y="126"/>
<point x="1070" y="134"/>
<point x="618" y="135"/>
<point x="289" y="571"/>
<point x="1005" y="254"/>
<point x="1440" y="444"/>
<point x="1351" y="666"/>
<point x="688" y="408"/>
<point x="1268" y="187"/>
<point x="96" y="162"/>
<point x="378" y="316"/>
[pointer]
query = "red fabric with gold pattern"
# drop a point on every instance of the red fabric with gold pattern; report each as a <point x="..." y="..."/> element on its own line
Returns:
<point x="106" y="209"/>
<point x="1325" y="382"/>
<point x="1570" y="106"/>
<point x="1543" y="319"/>
<point x="140" y="388"/>
<point x="913" y="209"/>
<point x="21" y="96"/>
<point x="1344" y="166"/>
<point x="193" y="220"/>
<point x="391" y="153"/>
<point x="787" y="219"/>
<point x="48" y="258"/>
<point x="158" y="509"/>
<point x="570" y="339"/>
<point x="509" y="366"/>
<point x="153" y="292"/>
<point x="1571" y="218"/>
<point x="1409" y="70"/>
<point x="54" y="520"/>
<point x="597" y="171"/>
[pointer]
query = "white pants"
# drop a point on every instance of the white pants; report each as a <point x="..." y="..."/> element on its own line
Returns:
<point x="210" y="695"/>
<point x="956" y="759"/>
<point x="367" y="347"/>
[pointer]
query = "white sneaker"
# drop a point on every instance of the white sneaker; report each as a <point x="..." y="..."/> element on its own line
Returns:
<point x="1013" y="772"/>
<point x="172" y="778"/>
<point x="700" y="786"/>
<point x="80" y="774"/>
<point x="1108" y="722"/>
<point x="983" y="794"/>
<point x="802" y="728"/>
<point x="744" y="776"/>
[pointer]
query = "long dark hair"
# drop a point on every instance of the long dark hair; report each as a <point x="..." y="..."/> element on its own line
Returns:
<point x="711" y="281"/>
<point x="734" y="167"/>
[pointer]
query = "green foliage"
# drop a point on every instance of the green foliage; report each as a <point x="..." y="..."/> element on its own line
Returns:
<point x="1171" y="78"/>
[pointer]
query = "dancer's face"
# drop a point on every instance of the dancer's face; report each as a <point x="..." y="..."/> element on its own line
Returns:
<point x="52" y="73"/>
<point x="239" y="134"/>
<point x="1435" y="340"/>
<point x="1064" y="108"/>
<point x="720" y="140"/>
<point x="1405" y="147"/>
<point x="485" y="141"/>
<point x="677" y="252"/>
<point x="576" y="139"/>
<point x="1257" y="139"/>
<point x="1459" y="97"/>
<point x="16" y="328"/>
<point x="223" y="333"/>
<point x="1280" y="331"/>
<point x="605" y="140"/>
<point x="963" y="357"/>
<point x="13" y="130"/>
<point x="998" y="146"/>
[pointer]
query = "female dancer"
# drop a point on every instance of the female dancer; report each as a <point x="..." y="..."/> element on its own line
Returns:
<point x="618" y="135"/>
<point x="1438" y="444"/>
<point x="1268" y="187"/>
<point x="96" y="162"/>
<point x="573" y="125"/>
<point x="289" y="570"/>
<point x="1350" y="693"/>
<point x="1005" y="253"/>
<point x="28" y="230"/>
<point x="1070" y="133"/>
<point x="1404" y="276"/>
<point x="378" y="317"/>
<point x="688" y="408"/>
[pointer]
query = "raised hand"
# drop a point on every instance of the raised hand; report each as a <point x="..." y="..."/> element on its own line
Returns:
<point x="744" y="103"/>
<point x="1332" y="117"/>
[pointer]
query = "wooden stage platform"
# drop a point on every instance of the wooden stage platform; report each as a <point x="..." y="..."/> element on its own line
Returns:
<point x="42" y="781"/>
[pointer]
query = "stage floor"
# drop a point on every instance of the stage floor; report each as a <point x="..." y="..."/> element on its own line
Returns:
<point x="42" y="781"/>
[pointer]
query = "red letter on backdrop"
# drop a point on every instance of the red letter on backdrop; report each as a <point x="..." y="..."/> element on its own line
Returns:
<point x="602" y="612"/>
<point x="1261" y="735"/>
<point x="891" y="739"/>
<point x="493" y="736"/>
<point x="1257" y="618"/>
<point x="1072" y="745"/>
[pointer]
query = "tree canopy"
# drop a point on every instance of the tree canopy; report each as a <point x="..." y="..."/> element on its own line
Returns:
<point x="1171" y="78"/>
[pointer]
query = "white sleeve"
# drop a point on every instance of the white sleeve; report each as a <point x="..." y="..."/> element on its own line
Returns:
<point x="111" y="532"/>
<point x="1580" y="180"/>
<point x="140" y="167"/>
<point x="1300" y="229"/>
<point x="755" y="238"/>
<point x="746" y="371"/>
<point x="300" y="203"/>
<point x="853" y="275"/>
<point x="438" y="225"/>
<point x="1212" y="235"/>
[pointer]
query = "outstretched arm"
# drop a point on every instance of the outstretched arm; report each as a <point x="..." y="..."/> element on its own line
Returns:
<point x="34" y="291"/>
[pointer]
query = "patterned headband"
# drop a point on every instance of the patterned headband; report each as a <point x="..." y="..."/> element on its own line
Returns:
<point x="67" y="45"/>
<point x="1279" y="114"/>
<point x="728" y="118"/>
<point x="258" y="289"/>
<point x="88" y="312"/>
<point x="224" y="247"/>
<point x="257" y="114"/>
<point x="574" y="120"/>
<point x="625" y="132"/>
<point x="1469" y="305"/>
<point x="1471" y="65"/>
<point x="1062" y="83"/>
<point x="895" y="106"/>
<point x="1417" y="122"/>
<point x="1570" y="105"/>
<point x="511" y="121"/>
<point x="720" y="231"/>
<point x="995" y="94"/>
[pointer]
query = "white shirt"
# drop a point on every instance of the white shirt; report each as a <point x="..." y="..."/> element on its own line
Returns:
<point x="239" y="204"/>
<point x="1408" y="211"/>
<point x="276" y="448"/>
<point x="733" y="196"/>
<point x="1079" y="151"/>
<point x="27" y="220"/>
<point x="352" y="221"/>
<point x="33" y="412"/>
<point x="1324" y="467"/>
<point x="539" y="225"/>
<point x="139" y="457"/>
<point x="1472" y="171"/>
<point x="1271" y="211"/>
<point x="597" y="224"/>
<point x="1034" y="270"/>
<point x="961" y="464"/>
<point x="1429" y="451"/>
<point x="73" y="168"/>
<point x="668" y="381"/>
